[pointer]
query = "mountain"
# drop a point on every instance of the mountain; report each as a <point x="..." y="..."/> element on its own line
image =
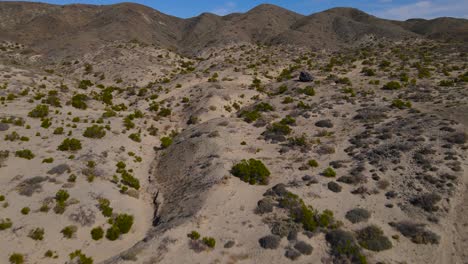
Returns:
<point x="63" y="30"/>
<point x="443" y="28"/>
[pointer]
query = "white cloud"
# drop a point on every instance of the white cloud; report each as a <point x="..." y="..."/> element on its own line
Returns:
<point x="426" y="9"/>
<point x="225" y="9"/>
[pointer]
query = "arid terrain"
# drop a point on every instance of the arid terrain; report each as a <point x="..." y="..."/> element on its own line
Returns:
<point x="130" y="136"/>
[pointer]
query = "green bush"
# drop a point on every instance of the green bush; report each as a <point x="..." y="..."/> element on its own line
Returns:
<point x="70" y="144"/>
<point x="209" y="241"/>
<point x="78" y="101"/>
<point x="5" y="224"/>
<point x="124" y="222"/>
<point x="264" y="107"/>
<point x="104" y="206"/>
<point x="25" y="154"/>
<point x="82" y="258"/>
<point x="313" y="163"/>
<point x="309" y="90"/>
<point x="194" y="235"/>
<point x="329" y="172"/>
<point x="58" y="131"/>
<point x="62" y="196"/>
<point x="16" y="258"/>
<point x="368" y="71"/>
<point x="251" y="171"/>
<point x="129" y="180"/>
<point x="37" y="234"/>
<point x="400" y="104"/>
<point x="69" y="231"/>
<point x="250" y="116"/>
<point x="393" y="85"/>
<point x="95" y="131"/>
<point x="279" y="128"/>
<point x="113" y="233"/>
<point x="84" y="84"/>
<point x="166" y="142"/>
<point x="135" y="137"/>
<point x="97" y="233"/>
<point x="25" y="210"/>
<point x="46" y="123"/>
<point x="39" y="112"/>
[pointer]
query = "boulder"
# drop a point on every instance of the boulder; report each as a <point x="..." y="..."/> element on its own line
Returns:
<point x="305" y="77"/>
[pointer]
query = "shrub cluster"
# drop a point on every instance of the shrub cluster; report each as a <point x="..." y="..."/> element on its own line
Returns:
<point x="252" y="171"/>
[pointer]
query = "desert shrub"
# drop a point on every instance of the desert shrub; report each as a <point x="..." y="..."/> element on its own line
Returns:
<point x="278" y="128"/>
<point x="25" y="210"/>
<point x="344" y="80"/>
<point x="58" y="131"/>
<point x="12" y="137"/>
<point x="164" y="112"/>
<point x="343" y="245"/>
<point x="287" y="100"/>
<point x="39" y="112"/>
<point x="313" y="163"/>
<point x="250" y="116"/>
<point x="270" y="242"/>
<point x="288" y="120"/>
<point x="194" y="235"/>
<point x="104" y="206"/>
<point x="393" y="85"/>
<point x="95" y="131"/>
<point x="70" y="144"/>
<point x="252" y="171"/>
<point x="113" y="233"/>
<point x="372" y="238"/>
<point x="124" y="223"/>
<point x="329" y="172"/>
<point x="416" y="232"/>
<point x="79" y="101"/>
<point x="135" y="137"/>
<point x="25" y="154"/>
<point x="264" y="107"/>
<point x="36" y="234"/>
<point x="446" y="83"/>
<point x="97" y="233"/>
<point x="62" y="196"/>
<point x="209" y="241"/>
<point x="427" y="201"/>
<point x="264" y="206"/>
<point x="357" y="215"/>
<point x="398" y="103"/>
<point x="309" y="90"/>
<point x="69" y="231"/>
<point x="368" y="71"/>
<point x="46" y="123"/>
<point x="130" y="180"/>
<point x="166" y="142"/>
<point x="16" y="258"/>
<point x="80" y="258"/>
<point x="84" y="84"/>
<point x="5" y="224"/>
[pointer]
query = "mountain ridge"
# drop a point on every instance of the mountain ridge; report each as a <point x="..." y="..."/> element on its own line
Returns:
<point x="60" y="29"/>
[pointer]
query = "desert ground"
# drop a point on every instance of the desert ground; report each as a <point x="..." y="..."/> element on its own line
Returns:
<point x="245" y="153"/>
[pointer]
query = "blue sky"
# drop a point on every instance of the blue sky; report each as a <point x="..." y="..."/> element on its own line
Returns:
<point x="392" y="9"/>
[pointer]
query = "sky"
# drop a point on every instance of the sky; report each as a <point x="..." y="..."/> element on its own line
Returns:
<point x="390" y="9"/>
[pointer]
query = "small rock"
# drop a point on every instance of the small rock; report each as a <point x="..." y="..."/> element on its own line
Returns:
<point x="292" y="254"/>
<point x="305" y="77"/>
<point x="270" y="242"/>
